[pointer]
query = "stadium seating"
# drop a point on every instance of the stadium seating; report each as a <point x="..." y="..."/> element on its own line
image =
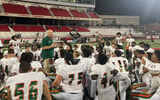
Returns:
<point x="4" y="28"/>
<point x="106" y="31"/>
<point x="28" y="28"/>
<point x="60" y="12"/>
<point x="39" y="11"/>
<point x="75" y="13"/>
<point x="80" y="29"/>
<point x="61" y="29"/>
<point x="10" y="8"/>
<point x="92" y="15"/>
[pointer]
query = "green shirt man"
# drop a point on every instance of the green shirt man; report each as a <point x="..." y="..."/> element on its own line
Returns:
<point x="47" y="53"/>
<point x="47" y="49"/>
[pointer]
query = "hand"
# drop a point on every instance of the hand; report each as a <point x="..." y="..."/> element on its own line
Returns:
<point x="145" y="70"/>
<point x="145" y="91"/>
<point x="133" y="87"/>
<point x="54" y="45"/>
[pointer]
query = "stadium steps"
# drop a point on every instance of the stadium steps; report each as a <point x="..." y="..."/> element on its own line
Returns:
<point x="51" y="12"/>
<point x="88" y="15"/>
<point x="1" y="8"/>
<point x="12" y="31"/>
<point x="70" y="13"/>
<point x="29" y="12"/>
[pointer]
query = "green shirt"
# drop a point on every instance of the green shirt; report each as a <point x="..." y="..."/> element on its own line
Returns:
<point x="48" y="53"/>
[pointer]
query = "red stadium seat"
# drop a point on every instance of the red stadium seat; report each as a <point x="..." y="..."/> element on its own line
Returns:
<point x="61" y="29"/>
<point x="80" y="29"/>
<point x="4" y="28"/>
<point x="92" y="15"/>
<point x="75" y="13"/>
<point x="10" y="8"/>
<point x="51" y="27"/>
<point x="39" y="11"/>
<point x="28" y="28"/>
<point x="60" y="12"/>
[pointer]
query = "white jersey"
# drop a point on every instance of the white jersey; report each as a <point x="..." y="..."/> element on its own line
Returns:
<point x="34" y="64"/>
<point x="8" y="64"/>
<point x="107" y="49"/>
<point x="38" y="55"/>
<point x="89" y="62"/>
<point x="58" y="62"/>
<point x="105" y="75"/>
<point x="26" y="86"/>
<point x="129" y="41"/>
<point x="120" y="63"/>
<point x="72" y="77"/>
<point x="133" y="49"/>
<point x="119" y="40"/>
<point x="150" y="50"/>
<point x="57" y="50"/>
<point x="15" y="43"/>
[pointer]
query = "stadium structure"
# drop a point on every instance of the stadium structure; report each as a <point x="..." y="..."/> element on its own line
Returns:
<point x="31" y="18"/>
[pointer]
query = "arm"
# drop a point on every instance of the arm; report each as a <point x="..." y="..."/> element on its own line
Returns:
<point x="57" y="81"/>
<point x="49" y="47"/>
<point x="154" y="85"/>
<point x="43" y="71"/>
<point x="9" y="94"/>
<point x="46" y="91"/>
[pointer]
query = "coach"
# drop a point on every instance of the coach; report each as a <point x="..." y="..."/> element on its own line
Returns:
<point x="47" y="49"/>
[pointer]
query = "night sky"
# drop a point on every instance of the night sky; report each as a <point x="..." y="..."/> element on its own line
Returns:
<point x="146" y="9"/>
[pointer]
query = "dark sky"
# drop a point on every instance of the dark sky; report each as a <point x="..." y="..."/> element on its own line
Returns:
<point x="146" y="9"/>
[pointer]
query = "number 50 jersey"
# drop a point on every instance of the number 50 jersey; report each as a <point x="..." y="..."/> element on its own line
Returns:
<point x="26" y="86"/>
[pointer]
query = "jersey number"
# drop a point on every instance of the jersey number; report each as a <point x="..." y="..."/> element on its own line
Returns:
<point x="104" y="80"/>
<point x="125" y="65"/>
<point x="33" y="91"/>
<point x="72" y="77"/>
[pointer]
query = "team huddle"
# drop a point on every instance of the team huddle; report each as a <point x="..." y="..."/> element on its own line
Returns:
<point x="107" y="71"/>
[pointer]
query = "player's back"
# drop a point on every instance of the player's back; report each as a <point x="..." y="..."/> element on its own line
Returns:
<point x="104" y="81"/>
<point x="90" y="61"/>
<point x="119" y="40"/>
<point x="15" y="43"/>
<point x="72" y="77"/>
<point x="120" y="63"/>
<point x="8" y="64"/>
<point x="26" y="86"/>
<point x="36" y="65"/>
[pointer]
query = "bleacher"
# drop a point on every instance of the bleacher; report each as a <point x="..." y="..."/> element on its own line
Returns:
<point x="107" y="31"/>
<point x="75" y="13"/>
<point x="59" y="29"/>
<point x="60" y="12"/>
<point x="93" y="15"/>
<point x="28" y="28"/>
<point x="36" y="10"/>
<point x="39" y="11"/>
<point x="11" y="8"/>
<point x="4" y="28"/>
<point x="80" y="29"/>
